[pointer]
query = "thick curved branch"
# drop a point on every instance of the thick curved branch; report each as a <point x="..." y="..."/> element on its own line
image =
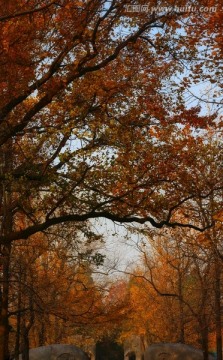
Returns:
<point x="27" y="12"/>
<point x="26" y="233"/>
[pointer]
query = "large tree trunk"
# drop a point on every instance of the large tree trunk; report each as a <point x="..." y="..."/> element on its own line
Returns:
<point x="4" y="325"/>
<point x="5" y="249"/>
<point x="218" y="265"/>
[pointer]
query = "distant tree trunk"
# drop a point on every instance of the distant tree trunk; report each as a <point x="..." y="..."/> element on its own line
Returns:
<point x="25" y="336"/>
<point x="204" y="337"/>
<point x="18" y="324"/>
<point x="26" y="329"/>
<point x="181" y="309"/>
<point x="42" y="334"/>
<point x="182" y="330"/>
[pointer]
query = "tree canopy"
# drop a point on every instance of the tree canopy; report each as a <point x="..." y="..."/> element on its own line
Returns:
<point x="87" y="116"/>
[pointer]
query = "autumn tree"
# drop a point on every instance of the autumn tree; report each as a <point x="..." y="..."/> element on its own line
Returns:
<point x="205" y="209"/>
<point x="186" y="267"/>
<point x="81" y="122"/>
<point x="51" y="287"/>
<point x="171" y="292"/>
